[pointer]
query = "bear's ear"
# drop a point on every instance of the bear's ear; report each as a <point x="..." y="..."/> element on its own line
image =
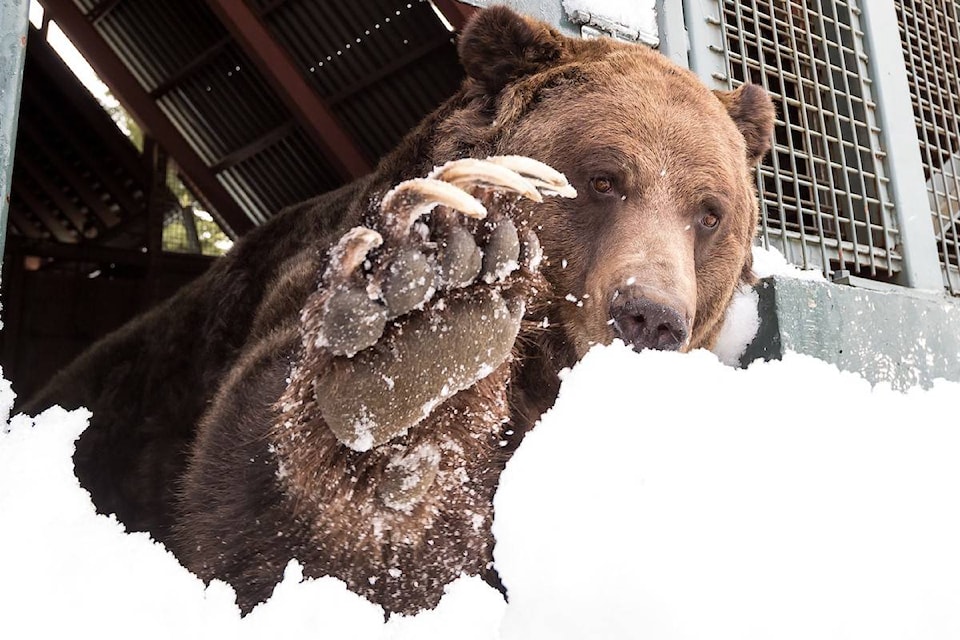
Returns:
<point x="498" y="46"/>
<point x="752" y="111"/>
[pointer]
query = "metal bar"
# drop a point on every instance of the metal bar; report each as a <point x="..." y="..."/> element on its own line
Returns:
<point x="190" y="227"/>
<point x="951" y="271"/>
<point x="845" y="188"/>
<point x="673" y="32"/>
<point x="774" y="155"/>
<point x="190" y="68"/>
<point x="808" y="138"/>
<point x="921" y="268"/>
<point x="704" y="32"/>
<point x="280" y="71"/>
<point x="13" y="47"/>
<point x="847" y="94"/>
<point x="137" y="101"/>
<point x="947" y="116"/>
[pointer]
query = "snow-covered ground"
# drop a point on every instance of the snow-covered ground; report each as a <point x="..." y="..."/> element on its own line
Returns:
<point x="664" y="496"/>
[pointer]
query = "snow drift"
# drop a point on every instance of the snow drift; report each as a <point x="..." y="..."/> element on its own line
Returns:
<point x="664" y="496"/>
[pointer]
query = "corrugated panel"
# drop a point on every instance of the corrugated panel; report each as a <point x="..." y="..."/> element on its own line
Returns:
<point x="286" y="172"/>
<point x="930" y="35"/>
<point x="225" y="105"/>
<point x="399" y="101"/>
<point x="399" y="44"/>
<point x="382" y="64"/>
<point x="157" y="39"/>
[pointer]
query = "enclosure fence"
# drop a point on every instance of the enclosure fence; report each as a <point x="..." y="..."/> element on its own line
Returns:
<point x="863" y="181"/>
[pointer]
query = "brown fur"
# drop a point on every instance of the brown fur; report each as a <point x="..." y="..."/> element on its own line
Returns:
<point x="261" y="480"/>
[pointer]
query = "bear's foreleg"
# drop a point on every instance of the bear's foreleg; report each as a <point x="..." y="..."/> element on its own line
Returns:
<point x="384" y="406"/>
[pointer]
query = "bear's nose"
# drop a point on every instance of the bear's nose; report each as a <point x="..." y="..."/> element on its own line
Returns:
<point x="646" y="324"/>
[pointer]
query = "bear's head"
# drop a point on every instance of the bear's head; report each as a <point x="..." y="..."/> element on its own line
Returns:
<point x="660" y="234"/>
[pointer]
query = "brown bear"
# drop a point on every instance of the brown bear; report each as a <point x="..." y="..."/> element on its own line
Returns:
<point x="345" y="387"/>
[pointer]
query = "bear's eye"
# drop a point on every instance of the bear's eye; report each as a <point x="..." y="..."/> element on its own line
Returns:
<point x="602" y="184"/>
<point x="710" y="220"/>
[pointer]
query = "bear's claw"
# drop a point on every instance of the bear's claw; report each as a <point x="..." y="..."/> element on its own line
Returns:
<point x="430" y="351"/>
<point x="469" y="172"/>
<point x="547" y="179"/>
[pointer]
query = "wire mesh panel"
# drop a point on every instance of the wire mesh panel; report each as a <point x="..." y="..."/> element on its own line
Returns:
<point x="825" y="196"/>
<point x="930" y="35"/>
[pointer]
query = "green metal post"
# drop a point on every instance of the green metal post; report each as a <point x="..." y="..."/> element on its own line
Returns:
<point x="13" y="47"/>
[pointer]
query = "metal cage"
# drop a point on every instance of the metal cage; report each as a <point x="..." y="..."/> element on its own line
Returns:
<point x="930" y="37"/>
<point x="824" y="188"/>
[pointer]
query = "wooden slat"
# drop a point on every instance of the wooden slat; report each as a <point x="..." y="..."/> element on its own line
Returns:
<point x="62" y="81"/>
<point x="269" y="138"/>
<point x="47" y="217"/>
<point x="38" y="146"/>
<point x="23" y="223"/>
<point x="52" y="191"/>
<point x="119" y="191"/>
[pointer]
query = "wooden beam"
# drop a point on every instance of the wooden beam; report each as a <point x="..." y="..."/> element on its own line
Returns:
<point x="47" y="217"/>
<point x="39" y="148"/>
<point x="96" y="253"/>
<point x="23" y="224"/>
<point x="279" y="69"/>
<point x="456" y="13"/>
<point x="119" y="191"/>
<point x="53" y="191"/>
<point x="189" y="69"/>
<point x="65" y="85"/>
<point x="137" y="101"/>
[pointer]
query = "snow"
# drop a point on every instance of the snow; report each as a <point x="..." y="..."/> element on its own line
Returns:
<point x="735" y="513"/>
<point x="637" y="15"/>
<point x="664" y="496"/>
<point x="743" y="319"/>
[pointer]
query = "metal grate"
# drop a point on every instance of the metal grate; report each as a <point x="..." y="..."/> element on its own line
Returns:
<point x="930" y="36"/>
<point x="825" y="197"/>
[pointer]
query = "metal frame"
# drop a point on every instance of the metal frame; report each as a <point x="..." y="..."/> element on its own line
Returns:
<point x="908" y="237"/>
<point x="824" y="186"/>
<point x="673" y="32"/>
<point x="929" y="34"/>
<point x="13" y="48"/>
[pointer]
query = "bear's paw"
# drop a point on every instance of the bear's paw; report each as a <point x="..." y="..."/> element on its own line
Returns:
<point x="430" y="304"/>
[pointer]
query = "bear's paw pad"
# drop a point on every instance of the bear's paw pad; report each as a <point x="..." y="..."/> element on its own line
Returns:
<point x="425" y="316"/>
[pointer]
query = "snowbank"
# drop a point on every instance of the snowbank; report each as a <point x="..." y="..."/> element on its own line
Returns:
<point x="743" y="319"/>
<point x="664" y="496"/>
<point x="786" y="500"/>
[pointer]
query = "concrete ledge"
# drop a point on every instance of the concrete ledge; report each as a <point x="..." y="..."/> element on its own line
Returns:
<point x="902" y="338"/>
